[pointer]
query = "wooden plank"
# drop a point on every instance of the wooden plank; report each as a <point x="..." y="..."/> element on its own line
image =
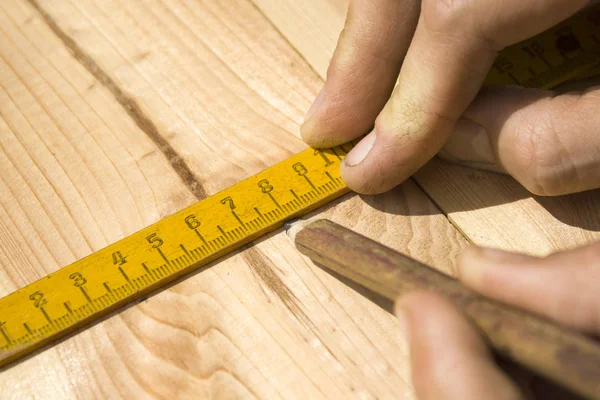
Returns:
<point x="489" y="209"/>
<point x="115" y="114"/>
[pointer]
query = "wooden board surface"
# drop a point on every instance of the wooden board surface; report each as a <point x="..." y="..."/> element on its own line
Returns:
<point x="490" y="209"/>
<point x="114" y="114"/>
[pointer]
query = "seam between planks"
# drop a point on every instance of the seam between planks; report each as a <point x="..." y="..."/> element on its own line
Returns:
<point x="131" y="107"/>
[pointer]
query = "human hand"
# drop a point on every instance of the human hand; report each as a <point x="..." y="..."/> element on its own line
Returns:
<point x="449" y="359"/>
<point x="547" y="142"/>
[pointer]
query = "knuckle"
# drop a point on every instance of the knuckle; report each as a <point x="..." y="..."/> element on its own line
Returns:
<point x="446" y="15"/>
<point x="541" y="163"/>
<point x="445" y="10"/>
<point x="410" y="121"/>
<point x="460" y="19"/>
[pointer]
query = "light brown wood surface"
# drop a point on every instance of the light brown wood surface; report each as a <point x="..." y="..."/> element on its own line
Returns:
<point x="115" y="114"/>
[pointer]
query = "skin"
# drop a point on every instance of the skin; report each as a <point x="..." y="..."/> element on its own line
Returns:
<point x="561" y="287"/>
<point x="410" y="72"/>
<point x="440" y="52"/>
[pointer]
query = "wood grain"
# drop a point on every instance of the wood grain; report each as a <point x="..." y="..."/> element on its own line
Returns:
<point x="489" y="209"/>
<point x="115" y="114"/>
<point x="562" y="356"/>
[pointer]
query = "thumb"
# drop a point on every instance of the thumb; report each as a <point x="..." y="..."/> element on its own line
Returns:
<point x="546" y="141"/>
<point x="449" y="360"/>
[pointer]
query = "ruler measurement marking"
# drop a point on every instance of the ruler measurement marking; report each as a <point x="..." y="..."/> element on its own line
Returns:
<point x="201" y="237"/>
<point x="322" y="154"/>
<point x="295" y="195"/>
<point x="515" y="80"/>
<point x="5" y="333"/>
<point x="46" y="315"/>
<point x="309" y="182"/>
<point x="187" y="259"/>
<point x="318" y="162"/>
<point x="237" y="233"/>
<point x="223" y="234"/>
<point x="127" y="289"/>
<point x="124" y="275"/>
<point x="85" y="294"/>
<point x="163" y="255"/>
<point x="224" y="239"/>
<point x="274" y="200"/>
<point x="242" y="224"/>
<point x="148" y="271"/>
<point x="150" y="278"/>
<point x="290" y="206"/>
<point x="121" y="292"/>
<point x="330" y="177"/>
<point x="177" y="263"/>
<point x="541" y="57"/>
<point x="169" y="268"/>
<point x="268" y="217"/>
<point x="59" y="322"/>
<point x="186" y="252"/>
<point x="259" y="213"/>
<point x="100" y="301"/>
<point x="204" y="250"/>
<point x="199" y="250"/>
<point x="336" y="154"/>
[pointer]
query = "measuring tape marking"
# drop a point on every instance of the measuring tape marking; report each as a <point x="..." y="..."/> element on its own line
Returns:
<point x="126" y="270"/>
<point x="162" y="252"/>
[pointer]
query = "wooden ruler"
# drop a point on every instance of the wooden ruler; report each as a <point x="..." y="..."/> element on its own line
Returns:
<point x="96" y="285"/>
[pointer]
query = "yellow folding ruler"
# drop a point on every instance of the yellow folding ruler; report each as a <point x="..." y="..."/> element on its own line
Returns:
<point x="149" y="259"/>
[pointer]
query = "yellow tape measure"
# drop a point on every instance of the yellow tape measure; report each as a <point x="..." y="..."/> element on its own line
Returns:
<point x="126" y="270"/>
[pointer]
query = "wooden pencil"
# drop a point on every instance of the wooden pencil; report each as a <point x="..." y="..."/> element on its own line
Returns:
<point x="552" y="351"/>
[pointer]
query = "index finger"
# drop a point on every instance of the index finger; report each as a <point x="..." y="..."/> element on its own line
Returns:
<point x="453" y="48"/>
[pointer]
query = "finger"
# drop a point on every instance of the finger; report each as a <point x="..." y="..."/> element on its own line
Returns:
<point x="562" y="287"/>
<point x="453" y="48"/>
<point x="448" y="358"/>
<point x="363" y="70"/>
<point x="547" y="142"/>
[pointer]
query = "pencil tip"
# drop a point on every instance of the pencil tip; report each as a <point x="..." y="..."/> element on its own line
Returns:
<point x="288" y="225"/>
<point x="293" y="227"/>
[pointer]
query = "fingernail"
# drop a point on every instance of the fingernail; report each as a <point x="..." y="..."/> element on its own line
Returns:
<point x="469" y="143"/>
<point x="315" y="105"/>
<point x="360" y="151"/>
